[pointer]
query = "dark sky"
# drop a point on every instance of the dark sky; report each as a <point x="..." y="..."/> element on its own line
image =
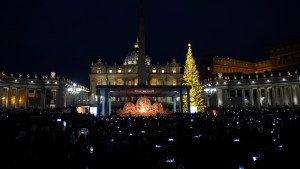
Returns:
<point x="65" y="36"/>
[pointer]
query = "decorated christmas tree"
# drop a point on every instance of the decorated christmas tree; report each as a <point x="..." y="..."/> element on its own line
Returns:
<point x="191" y="78"/>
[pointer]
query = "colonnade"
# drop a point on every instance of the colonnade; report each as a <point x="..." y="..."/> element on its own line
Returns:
<point x="278" y="95"/>
<point x="24" y="97"/>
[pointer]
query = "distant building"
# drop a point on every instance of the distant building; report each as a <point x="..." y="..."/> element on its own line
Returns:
<point x="219" y="64"/>
<point x="285" y="54"/>
<point x="25" y="91"/>
<point x="274" y="82"/>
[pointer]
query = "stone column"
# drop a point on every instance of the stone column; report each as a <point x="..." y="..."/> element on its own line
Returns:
<point x="251" y="97"/>
<point x="285" y="95"/>
<point x="8" y="97"/>
<point x="66" y="98"/>
<point x="298" y="95"/>
<point x="219" y="97"/>
<point x="278" y="96"/>
<point x="243" y="96"/>
<point x="290" y="95"/>
<point x="266" y="96"/>
<point x="109" y="105"/>
<point x="26" y="98"/>
<point x="55" y="97"/>
<point x="75" y="99"/>
<point x="174" y="104"/>
<point x="102" y="104"/>
<point x="17" y="101"/>
<point x="281" y="97"/>
<point x="269" y="97"/>
<point x="295" y="95"/>
<point x="274" y="100"/>
<point x="1" y="92"/>
<point x="258" y="94"/>
<point x="208" y="100"/>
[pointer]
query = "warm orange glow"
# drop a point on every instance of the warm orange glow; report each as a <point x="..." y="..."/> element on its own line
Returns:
<point x="84" y="109"/>
<point x="81" y="109"/>
<point x="22" y="97"/>
<point x="143" y="110"/>
<point x="143" y="107"/>
<point x="13" y="100"/>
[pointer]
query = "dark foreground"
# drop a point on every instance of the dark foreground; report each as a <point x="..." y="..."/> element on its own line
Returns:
<point x="232" y="139"/>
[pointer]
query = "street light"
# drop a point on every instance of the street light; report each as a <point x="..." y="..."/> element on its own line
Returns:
<point x="74" y="90"/>
<point x="210" y="90"/>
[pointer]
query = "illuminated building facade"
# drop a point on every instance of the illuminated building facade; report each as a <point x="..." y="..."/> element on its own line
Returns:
<point x="218" y="64"/>
<point x="270" y="83"/>
<point x="114" y="85"/>
<point x="27" y="92"/>
<point x="286" y="54"/>
<point x="169" y="74"/>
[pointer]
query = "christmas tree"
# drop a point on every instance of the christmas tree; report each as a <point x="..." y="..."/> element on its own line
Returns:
<point x="191" y="78"/>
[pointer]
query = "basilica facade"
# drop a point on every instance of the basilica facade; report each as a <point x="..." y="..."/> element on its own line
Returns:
<point x="103" y="74"/>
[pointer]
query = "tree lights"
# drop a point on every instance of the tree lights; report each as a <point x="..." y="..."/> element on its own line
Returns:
<point x="191" y="78"/>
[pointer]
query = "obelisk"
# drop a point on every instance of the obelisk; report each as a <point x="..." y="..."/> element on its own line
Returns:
<point x="142" y="75"/>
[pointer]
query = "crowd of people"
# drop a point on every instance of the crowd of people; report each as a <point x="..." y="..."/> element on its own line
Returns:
<point x="231" y="138"/>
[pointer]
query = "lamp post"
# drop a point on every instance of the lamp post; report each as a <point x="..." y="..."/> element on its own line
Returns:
<point x="74" y="90"/>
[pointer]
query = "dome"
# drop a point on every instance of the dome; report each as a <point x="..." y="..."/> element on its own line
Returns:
<point x="133" y="57"/>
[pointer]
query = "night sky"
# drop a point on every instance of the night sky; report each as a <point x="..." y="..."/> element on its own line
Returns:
<point x="66" y="36"/>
